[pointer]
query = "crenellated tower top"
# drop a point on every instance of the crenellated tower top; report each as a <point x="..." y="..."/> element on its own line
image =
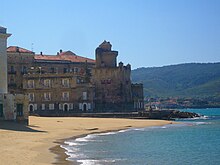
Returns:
<point x="105" y="57"/>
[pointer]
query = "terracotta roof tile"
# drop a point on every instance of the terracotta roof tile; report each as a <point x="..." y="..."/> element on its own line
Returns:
<point x="64" y="56"/>
<point x="18" y="49"/>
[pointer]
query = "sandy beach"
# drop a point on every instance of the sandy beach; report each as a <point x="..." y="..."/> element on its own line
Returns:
<point x="31" y="145"/>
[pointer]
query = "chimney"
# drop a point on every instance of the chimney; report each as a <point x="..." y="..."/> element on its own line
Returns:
<point x="61" y="51"/>
<point x="41" y="53"/>
<point x="17" y="49"/>
<point x="58" y="53"/>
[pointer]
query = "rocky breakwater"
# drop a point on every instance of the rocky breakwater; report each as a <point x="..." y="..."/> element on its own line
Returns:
<point x="180" y="114"/>
<point x="167" y="114"/>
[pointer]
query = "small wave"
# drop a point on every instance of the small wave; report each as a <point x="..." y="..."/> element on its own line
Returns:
<point x="95" y="162"/>
<point x="75" y="156"/>
<point x="195" y="118"/>
<point x="124" y="130"/>
<point x="196" y="123"/>
<point x="107" y="133"/>
<point x="201" y="117"/>
<point x="202" y="123"/>
<point x="139" y="129"/>
<point x="69" y="149"/>
<point x="73" y="143"/>
<point x="87" y="138"/>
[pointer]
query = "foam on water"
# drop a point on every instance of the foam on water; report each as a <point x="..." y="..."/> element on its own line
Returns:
<point x="95" y="162"/>
<point x="100" y="150"/>
<point x="87" y="138"/>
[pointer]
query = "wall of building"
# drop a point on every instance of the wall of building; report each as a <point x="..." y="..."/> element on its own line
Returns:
<point x="57" y="90"/>
<point x="138" y="96"/>
<point x="18" y="65"/>
<point x="101" y="86"/>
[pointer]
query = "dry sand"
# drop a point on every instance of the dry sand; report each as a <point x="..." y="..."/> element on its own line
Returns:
<point x="30" y="145"/>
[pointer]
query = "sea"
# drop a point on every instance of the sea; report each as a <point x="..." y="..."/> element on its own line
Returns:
<point x="191" y="141"/>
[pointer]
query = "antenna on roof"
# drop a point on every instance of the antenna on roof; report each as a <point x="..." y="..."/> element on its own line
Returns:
<point x="32" y="47"/>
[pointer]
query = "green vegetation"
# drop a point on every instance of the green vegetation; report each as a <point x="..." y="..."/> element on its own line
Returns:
<point x="194" y="80"/>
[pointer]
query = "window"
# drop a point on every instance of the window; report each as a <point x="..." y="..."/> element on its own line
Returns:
<point x="76" y="70"/>
<point x="31" y="96"/>
<point x="71" y="106"/>
<point x="51" y="106"/>
<point x="12" y="69"/>
<point x="43" y="107"/>
<point x="12" y="80"/>
<point x="84" y="95"/>
<point x="30" y="84"/>
<point x="89" y="106"/>
<point x="1" y="110"/>
<point x="35" y="107"/>
<point x="78" y="81"/>
<point x="47" y="96"/>
<point x="65" y="96"/>
<point x="24" y="70"/>
<point x="80" y="106"/>
<point x="52" y="70"/>
<point x="19" y="109"/>
<point x="65" y="70"/>
<point x="60" y="107"/>
<point x="65" y="82"/>
<point x="47" y="83"/>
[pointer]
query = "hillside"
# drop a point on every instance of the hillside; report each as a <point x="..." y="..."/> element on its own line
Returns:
<point x="183" y="80"/>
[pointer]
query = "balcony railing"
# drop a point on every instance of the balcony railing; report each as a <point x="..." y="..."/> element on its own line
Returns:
<point x="65" y="98"/>
<point x="12" y="85"/>
<point x="12" y="72"/>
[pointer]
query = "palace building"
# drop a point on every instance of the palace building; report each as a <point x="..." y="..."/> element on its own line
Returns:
<point x="67" y="83"/>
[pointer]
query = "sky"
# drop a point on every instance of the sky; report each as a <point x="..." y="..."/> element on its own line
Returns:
<point x="147" y="33"/>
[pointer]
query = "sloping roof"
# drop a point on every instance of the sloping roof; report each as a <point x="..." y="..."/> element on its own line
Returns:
<point x="14" y="49"/>
<point x="64" y="56"/>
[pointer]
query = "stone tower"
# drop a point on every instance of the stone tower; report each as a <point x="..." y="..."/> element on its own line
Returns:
<point x="105" y="57"/>
<point x="112" y="82"/>
<point x="3" y="60"/>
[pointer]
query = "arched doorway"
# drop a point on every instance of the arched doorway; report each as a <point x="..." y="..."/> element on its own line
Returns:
<point x="31" y="108"/>
<point x="84" y="107"/>
<point x="66" y="107"/>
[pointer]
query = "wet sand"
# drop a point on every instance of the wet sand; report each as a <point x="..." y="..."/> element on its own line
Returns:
<point x="38" y="143"/>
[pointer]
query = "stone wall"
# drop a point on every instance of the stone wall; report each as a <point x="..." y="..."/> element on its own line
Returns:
<point x="10" y="104"/>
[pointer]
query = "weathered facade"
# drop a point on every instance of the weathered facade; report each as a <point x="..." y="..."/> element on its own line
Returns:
<point x="112" y="82"/>
<point x="55" y="83"/>
<point x="12" y="106"/>
<point x="67" y="83"/>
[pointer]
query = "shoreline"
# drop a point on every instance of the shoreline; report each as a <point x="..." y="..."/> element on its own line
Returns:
<point x="61" y="156"/>
<point x="37" y="144"/>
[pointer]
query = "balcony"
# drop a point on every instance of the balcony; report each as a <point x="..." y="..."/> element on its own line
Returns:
<point x="12" y="72"/>
<point x="24" y="72"/>
<point x="65" y="98"/>
<point x="12" y="85"/>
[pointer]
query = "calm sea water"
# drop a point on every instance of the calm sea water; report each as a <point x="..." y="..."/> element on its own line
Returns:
<point x="196" y="141"/>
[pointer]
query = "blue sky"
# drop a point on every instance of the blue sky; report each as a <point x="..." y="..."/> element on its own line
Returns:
<point x="145" y="32"/>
